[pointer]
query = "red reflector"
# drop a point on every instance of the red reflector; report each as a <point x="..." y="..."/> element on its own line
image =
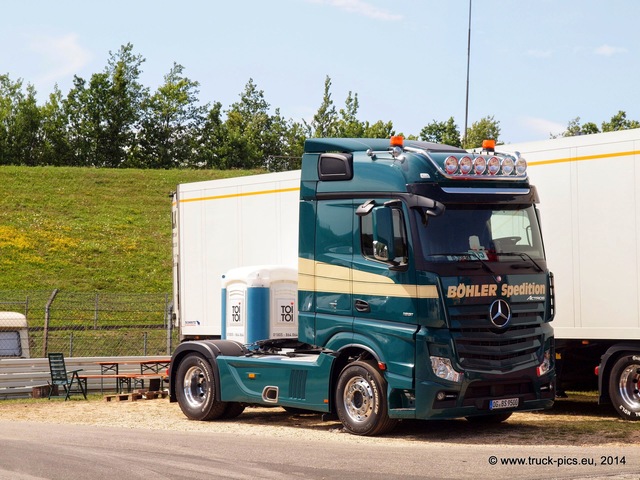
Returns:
<point x="382" y="366"/>
<point x="597" y="370"/>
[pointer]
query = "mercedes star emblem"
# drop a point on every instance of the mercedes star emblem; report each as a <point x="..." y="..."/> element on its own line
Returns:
<point x="500" y="313"/>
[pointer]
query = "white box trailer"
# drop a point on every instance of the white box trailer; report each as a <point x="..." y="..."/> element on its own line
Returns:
<point x="589" y="188"/>
<point x="260" y="211"/>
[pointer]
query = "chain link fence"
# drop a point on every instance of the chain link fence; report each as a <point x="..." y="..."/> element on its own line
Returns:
<point x="85" y="324"/>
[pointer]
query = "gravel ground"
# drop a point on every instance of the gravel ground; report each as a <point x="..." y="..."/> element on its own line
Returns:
<point x="571" y="422"/>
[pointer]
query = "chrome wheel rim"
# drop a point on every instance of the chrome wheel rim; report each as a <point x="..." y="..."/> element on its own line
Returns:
<point x="628" y="386"/>
<point x="195" y="387"/>
<point x="358" y="399"/>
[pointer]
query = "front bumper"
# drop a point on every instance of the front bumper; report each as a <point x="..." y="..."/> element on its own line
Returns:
<point x="474" y="396"/>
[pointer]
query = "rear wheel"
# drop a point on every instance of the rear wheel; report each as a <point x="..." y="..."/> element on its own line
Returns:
<point x="624" y="386"/>
<point x="361" y="400"/>
<point x="195" y="389"/>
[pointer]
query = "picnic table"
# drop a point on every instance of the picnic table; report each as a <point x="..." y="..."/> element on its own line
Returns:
<point x="149" y="370"/>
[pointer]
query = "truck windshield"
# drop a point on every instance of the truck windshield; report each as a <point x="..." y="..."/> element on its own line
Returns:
<point x="483" y="233"/>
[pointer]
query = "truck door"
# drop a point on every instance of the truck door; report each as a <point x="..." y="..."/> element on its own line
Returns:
<point x="384" y="286"/>
<point x="333" y="258"/>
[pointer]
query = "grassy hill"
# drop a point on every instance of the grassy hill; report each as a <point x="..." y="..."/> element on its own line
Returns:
<point x="84" y="229"/>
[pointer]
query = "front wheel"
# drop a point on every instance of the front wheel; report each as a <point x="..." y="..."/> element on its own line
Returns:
<point x="195" y="389"/>
<point x="624" y="385"/>
<point x="361" y="400"/>
<point x="490" y="418"/>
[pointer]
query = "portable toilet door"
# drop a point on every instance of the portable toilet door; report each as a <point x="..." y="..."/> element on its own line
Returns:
<point x="283" y="300"/>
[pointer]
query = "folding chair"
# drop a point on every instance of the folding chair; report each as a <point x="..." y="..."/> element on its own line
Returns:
<point x="61" y="377"/>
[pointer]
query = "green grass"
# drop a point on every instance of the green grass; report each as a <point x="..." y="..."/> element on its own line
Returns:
<point x="87" y="229"/>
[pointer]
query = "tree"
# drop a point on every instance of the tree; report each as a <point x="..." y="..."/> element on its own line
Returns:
<point x="378" y="129"/>
<point x="55" y="143"/>
<point x="345" y="123"/>
<point x="253" y="134"/>
<point x="104" y="113"/>
<point x="20" y="135"/>
<point x="9" y="97"/>
<point x="171" y="123"/>
<point x="574" y="128"/>
<point x="27" y="132"/>
<point x="294" y="144"/>
<point x="83" y="110"/>
<point x="123" y="102"/>
<point x="619" y="122"/>
<point x="348" y="124"/>
<point x="484" y="129"/>
<point x="442" y="132"/>
<point x="213" y="141"/>
<point x="324" y="123"/>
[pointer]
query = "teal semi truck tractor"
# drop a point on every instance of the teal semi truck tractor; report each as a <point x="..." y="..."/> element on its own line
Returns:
<point x="422" y="287"/>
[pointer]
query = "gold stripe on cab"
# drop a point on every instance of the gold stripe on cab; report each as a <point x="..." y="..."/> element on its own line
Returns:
<point x="333" y="278"/>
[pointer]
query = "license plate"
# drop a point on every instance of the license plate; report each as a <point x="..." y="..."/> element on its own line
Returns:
<point x="504" y="403"/>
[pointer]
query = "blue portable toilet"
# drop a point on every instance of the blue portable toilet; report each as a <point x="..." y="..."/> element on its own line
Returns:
<point x="259" y="302"/>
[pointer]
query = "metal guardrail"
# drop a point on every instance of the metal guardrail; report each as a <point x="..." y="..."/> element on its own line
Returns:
<point x="19" y="376"/>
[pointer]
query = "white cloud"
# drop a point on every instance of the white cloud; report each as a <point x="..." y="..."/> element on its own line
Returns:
<point x="543" y="126"/>
<point x="361" y="7"/>
<point x="608" y="51"/>
<point x="61" y="57"/>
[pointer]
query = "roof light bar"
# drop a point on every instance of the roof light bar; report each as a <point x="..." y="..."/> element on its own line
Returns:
<point x="470" y="167"/>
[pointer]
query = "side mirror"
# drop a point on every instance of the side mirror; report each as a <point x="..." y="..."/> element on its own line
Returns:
<point x="383" y="248"/>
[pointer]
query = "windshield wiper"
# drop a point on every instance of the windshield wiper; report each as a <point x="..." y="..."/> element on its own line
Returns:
<point x="471" y="255"/>
<point x="524" y="257"/>
<point x="484" y="264"/>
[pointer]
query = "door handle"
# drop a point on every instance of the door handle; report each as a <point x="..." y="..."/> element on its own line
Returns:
<point x="362" y="306"/>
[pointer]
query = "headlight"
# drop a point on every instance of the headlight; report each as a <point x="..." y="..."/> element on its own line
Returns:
<point x="545" y="366"/>
<point x="442" y="368"/>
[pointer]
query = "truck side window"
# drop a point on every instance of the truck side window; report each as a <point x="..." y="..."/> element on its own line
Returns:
<point x="399" y="237"/>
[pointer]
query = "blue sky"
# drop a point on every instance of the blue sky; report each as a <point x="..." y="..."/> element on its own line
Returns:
<point x="535" y="64"/>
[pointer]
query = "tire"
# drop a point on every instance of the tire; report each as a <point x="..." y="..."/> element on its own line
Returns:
<point x="361" y="400"/>
<point x="195" y="389"/>
<point x="624" y="385"/>
<point x="233" y="410"/>
<point x="490" y="419"/>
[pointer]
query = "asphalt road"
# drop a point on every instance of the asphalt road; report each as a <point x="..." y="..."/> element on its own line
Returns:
<point x="53" y="451"/>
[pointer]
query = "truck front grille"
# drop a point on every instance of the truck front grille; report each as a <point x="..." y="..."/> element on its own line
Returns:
<point x="480" y="345"/>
